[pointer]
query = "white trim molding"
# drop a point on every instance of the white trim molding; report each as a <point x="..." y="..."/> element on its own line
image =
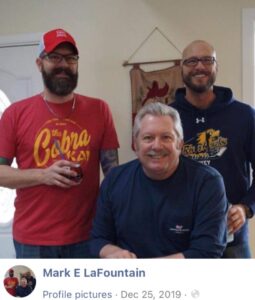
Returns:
<point x="248" y="37"/>
<point x="20" y="40"/>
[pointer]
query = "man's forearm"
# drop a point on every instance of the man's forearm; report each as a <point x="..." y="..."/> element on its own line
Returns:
<point x="109" y="159"/>
<point x="14" y="178"/>
<point x="176" y="255"/>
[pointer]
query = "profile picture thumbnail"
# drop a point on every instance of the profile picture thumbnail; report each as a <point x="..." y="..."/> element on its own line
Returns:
<point x="19" y="281"/>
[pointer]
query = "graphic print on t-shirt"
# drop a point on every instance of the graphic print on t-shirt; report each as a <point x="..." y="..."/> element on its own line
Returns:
<point x="206" y="146"/>
<point x="73" y="141"/>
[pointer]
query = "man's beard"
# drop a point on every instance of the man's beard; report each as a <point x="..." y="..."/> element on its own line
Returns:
<point x="60" y="86"/>
<point x="187" y="79"/>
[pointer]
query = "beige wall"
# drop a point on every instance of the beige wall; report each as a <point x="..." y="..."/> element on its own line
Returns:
<point x="109" y="31"/>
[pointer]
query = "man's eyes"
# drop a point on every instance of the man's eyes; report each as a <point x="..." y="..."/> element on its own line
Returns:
<point x="163" y="138"/>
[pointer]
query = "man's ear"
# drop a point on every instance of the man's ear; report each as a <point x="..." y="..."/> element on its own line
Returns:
<point x="134" y="144"/>
<point x="180" y="144"/>
<point x="39" y="63"/>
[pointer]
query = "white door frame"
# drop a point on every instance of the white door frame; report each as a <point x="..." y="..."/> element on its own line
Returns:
<point x="248" y="33"/>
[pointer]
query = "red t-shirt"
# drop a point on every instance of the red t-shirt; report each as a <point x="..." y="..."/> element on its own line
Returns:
<point x="49" y="215"/>
<point x="10" y="284"/>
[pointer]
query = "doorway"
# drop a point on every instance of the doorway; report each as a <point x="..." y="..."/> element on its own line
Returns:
<point x="19" y="79"/>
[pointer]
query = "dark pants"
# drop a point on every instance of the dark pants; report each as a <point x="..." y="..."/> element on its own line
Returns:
<point x="78" y="250"/>
<point x="238" y="251"/>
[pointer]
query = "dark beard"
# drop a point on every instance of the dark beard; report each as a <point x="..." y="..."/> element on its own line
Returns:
<point x="187" y="79"/>
<point x="60" y="86"/>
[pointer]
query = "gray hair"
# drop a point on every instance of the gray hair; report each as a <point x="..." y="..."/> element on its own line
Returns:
<point x="158" y="109"/>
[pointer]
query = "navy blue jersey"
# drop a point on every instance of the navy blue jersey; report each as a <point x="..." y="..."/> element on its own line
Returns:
<point x="222" y="136"/>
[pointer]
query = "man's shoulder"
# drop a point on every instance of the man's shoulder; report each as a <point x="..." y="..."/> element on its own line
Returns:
<point x="27" y="101"/>
<point x="242" y="107"/>
<point x="22" y="105"/>
<point x="95" y="104"/>
<point x="225" y="92"/>
<point x="125" y="169"/>
<point x="126" y="166"/>
<point x="90" y="100"/>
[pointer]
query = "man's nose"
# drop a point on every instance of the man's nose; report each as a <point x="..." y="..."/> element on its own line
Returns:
<point x="200" y="65"/>
<point x="63" y="62"/>
<point x="157" y="143"/>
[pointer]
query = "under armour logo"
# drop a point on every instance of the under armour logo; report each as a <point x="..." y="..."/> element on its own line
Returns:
<point x="202" y="120"/>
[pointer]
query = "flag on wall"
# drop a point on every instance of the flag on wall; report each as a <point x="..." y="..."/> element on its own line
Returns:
<point x="153" y="86"/>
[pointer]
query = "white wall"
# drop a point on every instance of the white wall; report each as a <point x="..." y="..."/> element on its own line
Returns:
<point x="109" y="31"/>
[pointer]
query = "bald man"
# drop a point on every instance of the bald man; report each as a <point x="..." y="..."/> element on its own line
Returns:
<point x="219" y="131"/>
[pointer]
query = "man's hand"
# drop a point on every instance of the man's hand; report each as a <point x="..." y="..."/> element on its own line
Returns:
<point x="236" y="218"/>
<point x="111" y="251"/>
<point x="60" y="174"/>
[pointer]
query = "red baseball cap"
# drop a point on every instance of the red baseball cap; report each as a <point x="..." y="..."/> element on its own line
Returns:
<point x="51" y="39"/>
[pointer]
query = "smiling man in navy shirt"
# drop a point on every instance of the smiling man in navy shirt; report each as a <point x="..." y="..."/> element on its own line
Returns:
<point x="161" y="204"/>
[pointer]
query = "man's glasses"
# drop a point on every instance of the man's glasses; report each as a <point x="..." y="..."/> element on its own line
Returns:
<point x="193" y="61"/>
<point x="57" y="58"/>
